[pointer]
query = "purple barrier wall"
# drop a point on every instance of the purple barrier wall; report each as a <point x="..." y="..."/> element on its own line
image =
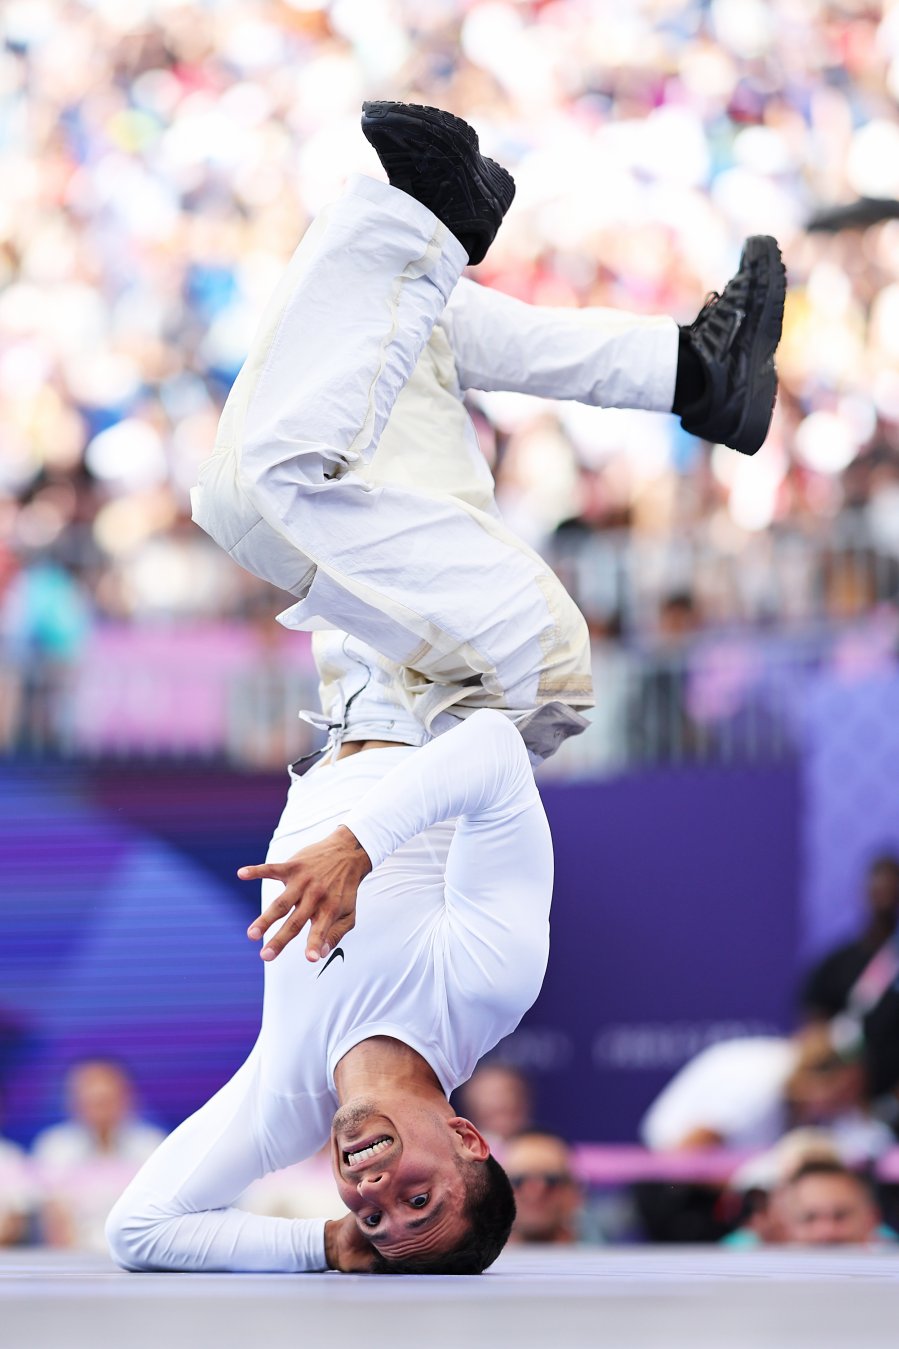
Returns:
<point x="675" y="924"/>
<point x="123" y="932"/>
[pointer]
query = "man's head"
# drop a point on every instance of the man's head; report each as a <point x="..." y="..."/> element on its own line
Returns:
<point x="99" y="1095"/>
<point x="422" y="1185"/>
<point x="883" y="890"/>
<point x="548" y="1199"/>
<point x="824" y="1204"/>
<point x="498" y="1099"/>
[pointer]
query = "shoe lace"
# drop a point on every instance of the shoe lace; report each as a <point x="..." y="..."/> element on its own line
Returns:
<point x="721" y="315"/>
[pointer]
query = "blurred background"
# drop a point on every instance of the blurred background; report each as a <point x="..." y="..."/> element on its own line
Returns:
<point x="732" y="816"/>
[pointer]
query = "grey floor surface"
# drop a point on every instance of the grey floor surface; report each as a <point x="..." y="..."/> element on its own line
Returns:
<point x="671" y="1298"/>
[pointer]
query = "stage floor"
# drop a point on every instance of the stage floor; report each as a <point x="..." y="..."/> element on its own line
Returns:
<point x="662" y="1298"/>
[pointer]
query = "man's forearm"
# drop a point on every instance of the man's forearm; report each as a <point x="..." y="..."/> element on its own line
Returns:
<point x="142" y="1237"/>
<point x="479" y="768"/>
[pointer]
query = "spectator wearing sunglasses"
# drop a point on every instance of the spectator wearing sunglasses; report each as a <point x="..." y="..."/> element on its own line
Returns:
<point x="549" y="1199"/>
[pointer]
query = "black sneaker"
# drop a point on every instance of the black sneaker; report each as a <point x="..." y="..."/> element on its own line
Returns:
<point x="434" y="157"/>
<point x="735" y="337"/>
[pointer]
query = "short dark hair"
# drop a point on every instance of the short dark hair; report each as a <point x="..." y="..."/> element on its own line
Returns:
<point x="536" y="1132"/>
<point x="885" y="861"/>
<point x="490" y="1213"/>
<point x="824" y="1166"/>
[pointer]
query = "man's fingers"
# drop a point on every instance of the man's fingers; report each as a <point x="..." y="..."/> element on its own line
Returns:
<point x="275" y="911"/>
<point x="319" y="942"/>
<point x="286" y="933"/>
<point x="325" y="934"/>
<point x="266" y="871"/>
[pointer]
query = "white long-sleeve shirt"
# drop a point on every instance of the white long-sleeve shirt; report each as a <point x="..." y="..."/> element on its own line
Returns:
<point x="452" y="925"/>
<point x="448" y="952"/>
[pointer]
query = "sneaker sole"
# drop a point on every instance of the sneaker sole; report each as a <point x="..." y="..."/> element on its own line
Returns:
<point x="762" y="255"/>
<point x="459" y="145"/>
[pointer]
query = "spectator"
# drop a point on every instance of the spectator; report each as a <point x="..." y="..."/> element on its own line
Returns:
<point x="16" y="1194"/>
<point x="829" y="985"/>
<point x="855" y="988"/>
<point x="497" y="1100"/>
<point x="660" y="721"/>
<point x="759" y="1223"/>
<point x="549" y="1200"/>
<point x="758" y="1186"/>
<point x="44" y="624"/>
<point x="746" y="1093"/>
<point x="826" y="1204"/>
<point x="84" y="1163"/>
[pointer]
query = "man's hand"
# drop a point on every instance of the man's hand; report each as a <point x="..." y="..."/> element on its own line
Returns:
<point x="346" y="1248"/>
<point x="320" y="883"/>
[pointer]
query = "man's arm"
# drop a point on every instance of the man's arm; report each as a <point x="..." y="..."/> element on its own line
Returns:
<point x="479" y="771"/>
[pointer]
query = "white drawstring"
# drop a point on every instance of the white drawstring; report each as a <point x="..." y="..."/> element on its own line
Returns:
<point x="337" y="729"/>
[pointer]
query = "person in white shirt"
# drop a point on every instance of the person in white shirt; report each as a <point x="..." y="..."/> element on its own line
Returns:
<point x="84" y="1163"/>
<point x="346" y="471"/>
<point x="17" y="1197"/>
<point x="746" y="1093"/>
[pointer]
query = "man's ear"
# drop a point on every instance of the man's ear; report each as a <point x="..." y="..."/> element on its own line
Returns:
<point x="474" y="1143"/>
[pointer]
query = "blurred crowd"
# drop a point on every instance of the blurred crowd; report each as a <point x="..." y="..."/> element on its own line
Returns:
<point x="754" y="1142"/>
<point x="160" y="160"/>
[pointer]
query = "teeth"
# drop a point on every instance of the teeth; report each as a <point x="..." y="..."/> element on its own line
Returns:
<point x="364" y="1153"/>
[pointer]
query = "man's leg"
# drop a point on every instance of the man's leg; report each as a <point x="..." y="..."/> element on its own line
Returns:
<point x="717" y="373"/>
<point x="436" y="586"/>
<point x="603" y="357"/>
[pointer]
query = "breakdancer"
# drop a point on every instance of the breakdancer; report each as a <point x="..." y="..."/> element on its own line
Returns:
<point x="415" y="860"/>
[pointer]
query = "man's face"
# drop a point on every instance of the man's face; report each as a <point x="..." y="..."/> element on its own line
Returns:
<point x="497" y="1098"/>
<point x="822" y="1096"/>
<point x="829" y="1211"/>
<point x="547" y="1197"/>
<point x="99" y="1096"/>
<point x="398" y="1165"/>
<point x="822" y="1085"/>
<point x="883" y="892"/>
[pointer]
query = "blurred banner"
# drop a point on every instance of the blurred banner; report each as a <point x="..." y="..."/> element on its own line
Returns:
<point x="674" y="925"/>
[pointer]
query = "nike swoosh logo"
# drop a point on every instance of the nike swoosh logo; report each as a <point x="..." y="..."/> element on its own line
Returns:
<point x="333" y="956"/>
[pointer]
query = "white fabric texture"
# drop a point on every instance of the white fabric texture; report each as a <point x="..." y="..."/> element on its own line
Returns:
<point x="71" y="1143"/>
<point x="347" y="471"/>
<point x="604" y="357"/>
<point x="448" y="952"/>
<point x="735" y="1088"/>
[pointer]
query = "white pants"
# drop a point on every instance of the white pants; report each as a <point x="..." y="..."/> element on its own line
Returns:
<point x="347" y="472"/>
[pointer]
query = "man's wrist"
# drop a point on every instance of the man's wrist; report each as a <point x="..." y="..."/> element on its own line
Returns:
<point x="352" y="844"/>
<point x="331" y="1229"/>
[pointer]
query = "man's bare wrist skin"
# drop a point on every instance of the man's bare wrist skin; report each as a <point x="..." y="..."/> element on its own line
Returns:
<point x="349" y="838"/>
